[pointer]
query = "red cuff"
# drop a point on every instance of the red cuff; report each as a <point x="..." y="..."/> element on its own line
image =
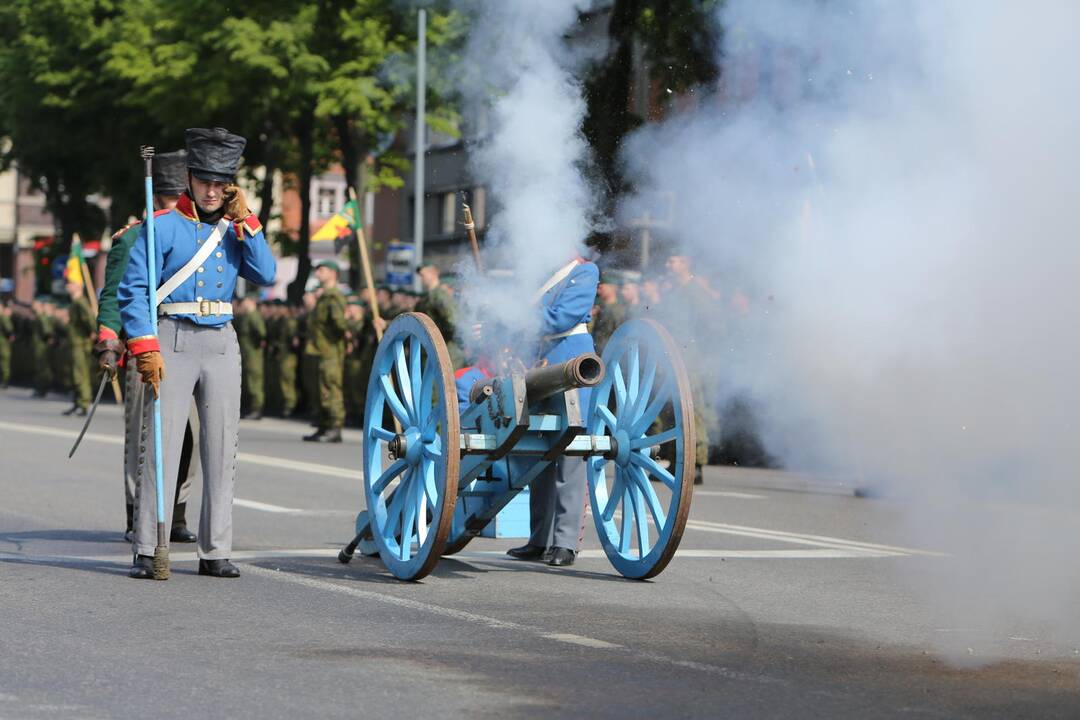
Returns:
<point x="105" y="333"/>
<point x="140" y="345"/>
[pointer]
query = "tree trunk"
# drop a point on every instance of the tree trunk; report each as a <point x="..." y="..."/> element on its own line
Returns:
<point x="266" y="192"/>
<point x="305" y="130"/>
<point x="350" y="162"/>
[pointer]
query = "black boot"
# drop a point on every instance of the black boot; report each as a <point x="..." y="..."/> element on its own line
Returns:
<point x="315" y="436"/>
<point x="698" y="479"/>
<point x="527" y="552"/>
<point x="561" y="557"/>
<point x="333" y="435"/>
<point x="142" y="568"/>
<point x="218" y="568"/>
<point x="72" y="410"/>
<point x="180" y="532"/>
<point x="129" y="532"/>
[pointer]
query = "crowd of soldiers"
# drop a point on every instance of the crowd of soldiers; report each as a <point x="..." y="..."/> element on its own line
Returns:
<point x="48" y="344"/>
<point x="311" y="360"/>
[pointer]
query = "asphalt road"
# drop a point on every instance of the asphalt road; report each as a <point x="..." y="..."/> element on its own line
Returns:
<point x="780" y="604"/>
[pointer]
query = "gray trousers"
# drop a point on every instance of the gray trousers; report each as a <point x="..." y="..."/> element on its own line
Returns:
<point x="134" y="417"/>
<point x="557" y="504"/>
<point x="204" y="362"/>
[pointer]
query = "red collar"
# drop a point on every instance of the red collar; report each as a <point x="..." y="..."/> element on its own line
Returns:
<point x="186" y="207"/>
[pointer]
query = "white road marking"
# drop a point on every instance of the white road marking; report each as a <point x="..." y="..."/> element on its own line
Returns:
<point x="299" y="466"/>
<point x="251" y="458"/>
<point x="806" y="539"/>
<point x="265" y="507"/>
<point x="498" y="624"/>
<point x="482" y="556"/>
<point x="582" y="640"/>
<point x="729" y="494"/>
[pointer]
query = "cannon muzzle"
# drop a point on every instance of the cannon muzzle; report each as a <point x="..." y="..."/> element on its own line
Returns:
<point x="586" y="370"/>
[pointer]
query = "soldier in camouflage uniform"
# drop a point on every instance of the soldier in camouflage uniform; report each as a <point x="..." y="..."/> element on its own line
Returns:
<point x="7" y="337"/>
<point x="309" y="363"/>
<point x="251" y="335"/>
<point x="326" y="341"/>
<point x="280" y="358"/>
<point x="438" y="303"/>
<point x="355" y="347"/>
<point x="80" y="335"/>
<point x="684" y="310"/>
<point x="609" y="314"/>
<point x="41" y="341"/>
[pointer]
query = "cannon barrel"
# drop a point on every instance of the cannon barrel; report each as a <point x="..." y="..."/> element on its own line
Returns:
<point x="586" y="370"/>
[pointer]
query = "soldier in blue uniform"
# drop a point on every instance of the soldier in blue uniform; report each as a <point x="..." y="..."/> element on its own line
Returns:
<point x="557" y="496"/>
<point x="202" y="246"/>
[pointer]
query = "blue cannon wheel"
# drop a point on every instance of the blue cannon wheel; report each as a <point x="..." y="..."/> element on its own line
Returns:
<point x="640" y="499"/>
<point x="411" y="421"/>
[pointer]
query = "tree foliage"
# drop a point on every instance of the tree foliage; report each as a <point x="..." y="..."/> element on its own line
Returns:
<point x="84" y="83"/>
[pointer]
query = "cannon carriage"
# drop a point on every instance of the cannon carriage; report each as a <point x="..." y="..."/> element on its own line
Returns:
<point x="438" y="472"/>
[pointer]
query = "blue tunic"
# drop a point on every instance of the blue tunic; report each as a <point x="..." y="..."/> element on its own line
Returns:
<point x="563" y="307"/>
<point x="178" y="236"/>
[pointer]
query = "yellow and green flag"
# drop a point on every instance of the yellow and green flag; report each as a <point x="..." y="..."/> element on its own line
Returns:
<point x="341" y="225"/>
<point x="73" y="270"/>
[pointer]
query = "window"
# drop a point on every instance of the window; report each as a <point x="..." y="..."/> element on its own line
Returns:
<point x="326" y="204"/>
<point x="449" y="213"/>
<point x="479" y="201"/>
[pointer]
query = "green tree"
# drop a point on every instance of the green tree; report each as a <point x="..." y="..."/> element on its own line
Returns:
<point x="678" y="42"/>
<point x="56" y="105"/>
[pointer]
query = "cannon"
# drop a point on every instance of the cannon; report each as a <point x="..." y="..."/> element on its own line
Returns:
<point x="436" y="475"/>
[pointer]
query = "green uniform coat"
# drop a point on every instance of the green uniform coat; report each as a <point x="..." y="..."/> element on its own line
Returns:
<point x="326" y="341"/>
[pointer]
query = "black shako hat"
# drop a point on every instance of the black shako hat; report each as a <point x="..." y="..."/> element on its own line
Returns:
<point x="170" y="173"/>
<point x="213" y="154"/>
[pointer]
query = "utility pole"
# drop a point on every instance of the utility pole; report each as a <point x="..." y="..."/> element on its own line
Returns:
<point x="421" y="136"/>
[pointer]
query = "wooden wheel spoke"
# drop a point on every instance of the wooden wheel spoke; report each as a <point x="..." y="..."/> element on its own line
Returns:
<point x="653" y="468"/>
<point x="620" y="388"/>
<point x="646" y="388"/>
<point x="415" y="368"/>
<point x="393" y="510"/>
<point x="641" y="521"/>
<point x="433" y="449"/>
<point x="642" y="423"/>
<point x="626" y="533"/>
<point x="425" y="400"/>
<point x="606" y="416"/>
<point x="408" y="511"/>
<point x="381" y="433"/>
<point x="657" y="439"/>
<point x="393" y="401"/>
<point x="422" y="506"/>
<point x="651" y="499"/>
<point x="388" y="475"/>
<point x="402" y="370"/>
<point x="614" y="497"/>
<point x="633" y="372"/>
<point x="431" y="490"/>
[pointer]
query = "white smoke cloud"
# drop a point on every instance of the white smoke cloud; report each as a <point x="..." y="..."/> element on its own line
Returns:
<point x="901" y="179"/>
<point x="519" y="65"/>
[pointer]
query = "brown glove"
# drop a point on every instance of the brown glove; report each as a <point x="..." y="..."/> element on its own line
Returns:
<point x="152" y="368"/>
<point x="236" y="205"/>
<point x="108" y="353"/>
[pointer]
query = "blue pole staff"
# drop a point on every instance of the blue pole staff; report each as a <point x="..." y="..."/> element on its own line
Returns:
<point x="161" y="551"/>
